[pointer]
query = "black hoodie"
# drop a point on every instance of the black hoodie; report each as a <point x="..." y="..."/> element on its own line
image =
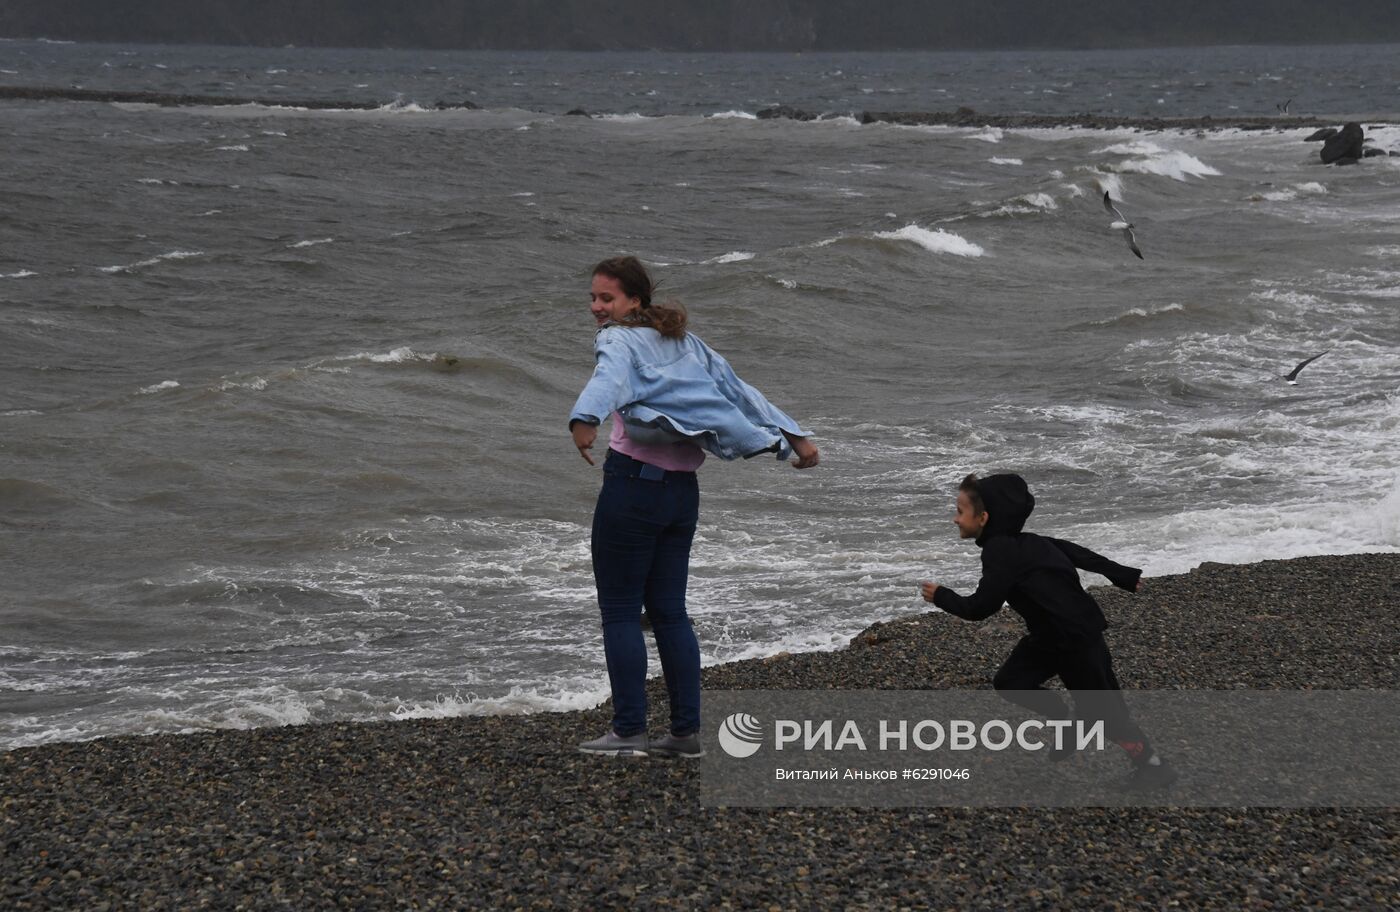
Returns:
<point x="1035" y="575"/>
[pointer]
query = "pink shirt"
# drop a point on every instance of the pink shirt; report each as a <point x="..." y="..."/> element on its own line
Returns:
<point x="673" y="457"/>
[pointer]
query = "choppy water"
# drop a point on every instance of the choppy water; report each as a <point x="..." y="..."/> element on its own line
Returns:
<point x="282" y="416"/>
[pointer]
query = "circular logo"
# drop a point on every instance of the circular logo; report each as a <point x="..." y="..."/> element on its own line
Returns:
<point x="740" y="735"/>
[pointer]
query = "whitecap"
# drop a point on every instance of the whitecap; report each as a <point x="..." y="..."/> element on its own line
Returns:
<point x="22" y="274"/>
<point x="172" y="255"/>
<point x="1154" y="159"/>
<point x="991" y="135"/>
<point x="732" y="115"/>
<point x="158" y="387"/>
<point x="404" y="107"/>
<point x="935" y="241"/>
<point x="257" y="384"/>
<point x="238" y="148"/>
<point x="737" y="256"/>
<point x="1006" y="161"/>
<point x="311" y="243"/>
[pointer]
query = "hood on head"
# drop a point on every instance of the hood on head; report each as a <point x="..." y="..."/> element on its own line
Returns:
<point x="1008" y="502"/>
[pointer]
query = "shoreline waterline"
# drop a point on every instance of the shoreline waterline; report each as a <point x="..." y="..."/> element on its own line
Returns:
<point x="879" y="632"/>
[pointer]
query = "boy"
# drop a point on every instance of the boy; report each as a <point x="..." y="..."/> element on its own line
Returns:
<point x="1036" y="576"/>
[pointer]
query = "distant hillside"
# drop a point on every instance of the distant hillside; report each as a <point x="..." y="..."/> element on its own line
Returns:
<point x="705" y="25"/>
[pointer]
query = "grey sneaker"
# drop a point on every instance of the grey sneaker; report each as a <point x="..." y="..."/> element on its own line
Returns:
<point x="671" y="746"/>
<point x="614" y="745"/>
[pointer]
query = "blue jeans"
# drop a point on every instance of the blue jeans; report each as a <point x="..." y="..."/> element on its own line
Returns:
<point x="642" y="530"/>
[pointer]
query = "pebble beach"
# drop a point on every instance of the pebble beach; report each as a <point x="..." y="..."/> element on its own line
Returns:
<point x="502" y="813"/>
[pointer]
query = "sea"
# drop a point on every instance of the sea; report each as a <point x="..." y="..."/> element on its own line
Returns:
<point x="284" y="392"/>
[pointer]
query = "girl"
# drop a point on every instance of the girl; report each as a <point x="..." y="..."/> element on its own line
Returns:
<point x="672" y="398"/>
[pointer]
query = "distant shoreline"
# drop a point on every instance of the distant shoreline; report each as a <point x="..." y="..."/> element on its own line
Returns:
<point x="962" y="117"/>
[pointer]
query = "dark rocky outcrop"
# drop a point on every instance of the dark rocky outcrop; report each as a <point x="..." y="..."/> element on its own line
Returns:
<point x="1346" y="144"/>
<point x="1324" y="133"/>
<point x="172" y="99"/>
<point x="785" y="112"/>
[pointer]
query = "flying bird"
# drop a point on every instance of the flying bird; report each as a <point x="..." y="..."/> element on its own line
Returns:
<point x="1122" y="224"/>
<point x="1283" y="108"/>
<point x="1292" y="376"/>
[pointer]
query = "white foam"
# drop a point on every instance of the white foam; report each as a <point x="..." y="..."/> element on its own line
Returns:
<point x="399" y="106"/>
<point x="1311" y="188"/>
<point x="236" y="148"/>
<point x="172" y="255"/>
<point x="158" y="387"/>
<point x="623" y="118"/>
<point x="737" y="256"/>
<point x="518" y="701"/>
<point x="22" y="274"/>
<point x="732" y="115"/>
<point x="1174" y="164"/>
<point x="257" y="384"/>
<point x="1135" y="147"/>
<point x="1141" y="312"/>
<point x="1006" y="161"/>
<point x="400" y="355"/>
<point x="1040" y="200"/>
<point x="1111" y="184"/>
<point x="935" y="241"/>
<point x="312" y="243"/>
<point x="990" y="134"/>
<point x="20" y="413"/>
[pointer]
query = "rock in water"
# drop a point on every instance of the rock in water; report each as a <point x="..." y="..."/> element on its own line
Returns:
<point x="1324" y="133"/>
<point x="785" y="112"/>
<point x="1346" y="144"/>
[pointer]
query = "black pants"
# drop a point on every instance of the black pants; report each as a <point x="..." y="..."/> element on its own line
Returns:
<point x="1087" y="670"/>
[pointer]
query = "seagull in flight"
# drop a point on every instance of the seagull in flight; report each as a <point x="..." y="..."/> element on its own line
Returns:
<point x="1122" y="224"/>
<point x="1283" y="108"/>
<point x="1292" y="376"/>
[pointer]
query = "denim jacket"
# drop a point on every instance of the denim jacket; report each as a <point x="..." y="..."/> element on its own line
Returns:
<point x="679" y="388"/>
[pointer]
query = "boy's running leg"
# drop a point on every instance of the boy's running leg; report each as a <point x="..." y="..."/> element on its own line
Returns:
<point x="1020" y="680"/>
<point x="1088" y="673"/>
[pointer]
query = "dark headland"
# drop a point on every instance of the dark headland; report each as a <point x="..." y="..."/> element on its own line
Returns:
<point x="960" y="117"/>
<point x="502" y="813"/>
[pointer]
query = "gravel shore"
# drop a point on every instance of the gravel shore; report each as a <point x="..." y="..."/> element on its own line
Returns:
<point x="501" y="812"/>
